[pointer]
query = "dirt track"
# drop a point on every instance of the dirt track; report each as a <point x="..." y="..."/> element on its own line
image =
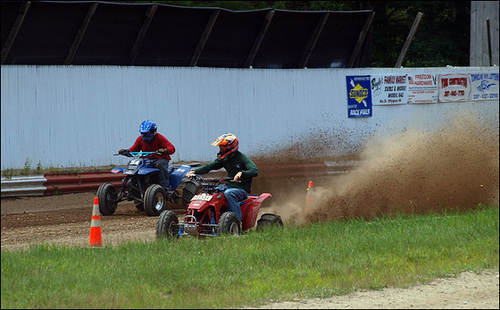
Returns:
<point x="457" y="166"/>
<point x="65" y="219"/>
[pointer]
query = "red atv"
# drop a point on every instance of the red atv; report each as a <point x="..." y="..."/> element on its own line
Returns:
<point x="207" y="213"/>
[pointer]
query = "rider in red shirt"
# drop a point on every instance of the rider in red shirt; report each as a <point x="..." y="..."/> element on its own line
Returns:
<point x="151" y="141"/>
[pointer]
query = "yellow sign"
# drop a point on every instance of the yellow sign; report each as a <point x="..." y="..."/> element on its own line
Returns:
<point x="358" y="93"/>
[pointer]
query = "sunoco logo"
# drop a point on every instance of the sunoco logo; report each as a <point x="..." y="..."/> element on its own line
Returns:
<point x="358" y="93"/>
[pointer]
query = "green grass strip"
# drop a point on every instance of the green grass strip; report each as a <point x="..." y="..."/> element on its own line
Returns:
<point x="317" y="260"/>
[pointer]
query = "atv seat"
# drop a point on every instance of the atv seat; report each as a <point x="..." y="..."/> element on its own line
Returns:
<point x="243" y="201"/>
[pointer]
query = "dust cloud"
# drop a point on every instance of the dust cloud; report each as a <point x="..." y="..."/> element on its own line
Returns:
<point x="452" y="167"/>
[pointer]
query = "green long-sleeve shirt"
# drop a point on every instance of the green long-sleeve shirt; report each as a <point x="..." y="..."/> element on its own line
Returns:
<point x="234" y="164"/>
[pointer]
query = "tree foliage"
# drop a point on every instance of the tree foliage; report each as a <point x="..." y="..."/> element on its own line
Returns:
<point x="442" y="37"/>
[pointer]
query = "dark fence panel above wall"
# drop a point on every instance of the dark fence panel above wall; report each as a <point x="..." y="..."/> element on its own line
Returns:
<point x="147" y="34"/>
<point x="232" y="37"/>
<point x="110" y="34"/>
<point x="285" y="40"/>
<point x="172" y="37"/>
<point x="46" y="33"/>
<point x="338" y="41"/>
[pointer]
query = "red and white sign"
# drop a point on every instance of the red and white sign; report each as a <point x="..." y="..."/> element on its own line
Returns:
<point x="454" y="87"/>
<point x="423" y="88"/>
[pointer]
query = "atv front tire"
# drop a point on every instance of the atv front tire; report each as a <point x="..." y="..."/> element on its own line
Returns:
<point x="107" y="196"/>
<point x="268" y="220"/>
<point x="229" y="224"/>
<point x="166" y="226"/>
<point x="155" y="200"/>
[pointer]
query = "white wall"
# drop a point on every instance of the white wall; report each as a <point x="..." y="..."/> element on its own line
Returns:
<point x="74" y="116"/>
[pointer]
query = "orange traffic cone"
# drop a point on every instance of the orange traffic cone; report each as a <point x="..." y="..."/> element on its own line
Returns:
<point x="95" y="225"/>
<point x="309" y="196"/>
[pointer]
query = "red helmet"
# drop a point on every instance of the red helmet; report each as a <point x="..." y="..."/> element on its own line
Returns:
<point x="229" y="140"/>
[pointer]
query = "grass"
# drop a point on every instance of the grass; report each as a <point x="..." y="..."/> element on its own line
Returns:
<point x="289" y="263"/>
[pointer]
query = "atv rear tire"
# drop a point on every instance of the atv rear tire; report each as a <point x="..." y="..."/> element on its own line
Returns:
<point x="107" y="196"/>
<point x="268" y="220"/>
<point x="229" y="224"/>
<point x="166" y="226"/>
<point x="155" y="200"/>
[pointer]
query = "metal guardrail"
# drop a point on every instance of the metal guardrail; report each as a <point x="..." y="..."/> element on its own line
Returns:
<point x="313" y="169"/>
<point x="81" y="182"/>
<point x="64" y="183"/>
<point x="52" y="184"/>
<point x="23" y="186"/>
<point x="339" y="167"/>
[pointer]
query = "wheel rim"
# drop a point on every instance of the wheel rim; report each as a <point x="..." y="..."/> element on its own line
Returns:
<point x="170" y="230"/>
<point x="110" y="197"/>
<point x="159" y="202"/>
<point x="234" y="229"/>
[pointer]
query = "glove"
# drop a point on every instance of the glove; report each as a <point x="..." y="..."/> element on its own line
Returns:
<point x="123" y="152"/>
<point x="162" y="150"/>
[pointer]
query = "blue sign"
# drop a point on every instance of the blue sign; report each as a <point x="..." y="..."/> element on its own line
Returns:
<point x="359" y="97"/>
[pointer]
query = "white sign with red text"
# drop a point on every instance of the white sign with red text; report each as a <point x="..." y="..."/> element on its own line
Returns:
<point x="454" y="87"/>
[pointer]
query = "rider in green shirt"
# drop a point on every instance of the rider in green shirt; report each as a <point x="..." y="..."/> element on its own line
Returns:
<point x="238" y="166"/>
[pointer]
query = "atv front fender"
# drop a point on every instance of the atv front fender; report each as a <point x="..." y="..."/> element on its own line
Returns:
<point x="144" y="171"/>
<point x="117" y="170"/>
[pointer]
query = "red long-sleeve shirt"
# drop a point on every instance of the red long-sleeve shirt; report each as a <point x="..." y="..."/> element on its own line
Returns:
<point x="158" y="142"/>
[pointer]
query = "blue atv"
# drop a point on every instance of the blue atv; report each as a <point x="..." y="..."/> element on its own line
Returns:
<point x="141" y="185"/>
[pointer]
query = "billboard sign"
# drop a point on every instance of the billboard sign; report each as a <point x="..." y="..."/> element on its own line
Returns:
<point x="484" y="86"/>
<point x="454" y="87"/>
<point x="423" y="88"/>
<point x="359" y="98"/>
<point x="389" y="89"/>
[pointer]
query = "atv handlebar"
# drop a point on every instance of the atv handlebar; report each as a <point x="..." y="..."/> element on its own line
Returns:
<point x="209" y="180"/>
<point x="216" y="181"/>
<point x="209" y="185"/>
<point x="139" y="154"/>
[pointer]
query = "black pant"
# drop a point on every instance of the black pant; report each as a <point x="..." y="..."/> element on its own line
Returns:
<point x="162" y="165"/>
